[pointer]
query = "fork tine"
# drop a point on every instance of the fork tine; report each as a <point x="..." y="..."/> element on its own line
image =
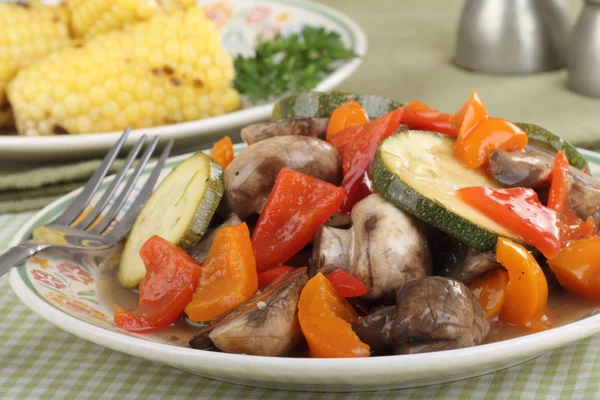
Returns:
<point x="84" y="198"/>
<point x="110" y="191"/>
<point x="120" y="202"/>
<point x="123" y="227"/>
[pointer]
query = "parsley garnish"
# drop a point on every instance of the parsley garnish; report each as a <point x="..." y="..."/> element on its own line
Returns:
<point x="289" y="64"/>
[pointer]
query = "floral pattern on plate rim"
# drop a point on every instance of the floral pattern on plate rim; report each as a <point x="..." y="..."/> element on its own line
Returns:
<point x="70" y="285"/>
<point x="241" y="25"/>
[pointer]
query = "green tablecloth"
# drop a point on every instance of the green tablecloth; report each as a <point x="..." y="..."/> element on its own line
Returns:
<point x="410" y="47"/>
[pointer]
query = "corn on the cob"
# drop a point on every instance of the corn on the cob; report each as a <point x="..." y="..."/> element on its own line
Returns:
<point x="28" y="30"/>
<point x="166" y="70"/>
<point x="92" y="17"/>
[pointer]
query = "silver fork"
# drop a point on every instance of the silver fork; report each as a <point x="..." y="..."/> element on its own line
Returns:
<point x="83" y="235"/>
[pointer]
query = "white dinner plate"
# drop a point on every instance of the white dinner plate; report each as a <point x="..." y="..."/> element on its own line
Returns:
<point x="239" y="22"/>
<point x="64" y="289"/>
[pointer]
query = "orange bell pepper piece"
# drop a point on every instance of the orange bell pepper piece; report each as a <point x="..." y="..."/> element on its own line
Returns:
<point x="479" y="135"/>
<point x="489" y="290"/>
<point x="470" y="114"/>
<point x="228" y="275"/>
<point x="222" y="152"/>
<point x="577" y="267"/>
<point x="345" y="116"/>
<point x="526" y="295"/>
<point x="489" y="135"/>
<point x="325" y="319"/>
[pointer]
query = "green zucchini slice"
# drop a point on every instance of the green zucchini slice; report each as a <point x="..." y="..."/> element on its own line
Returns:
<point x="179" y="210"/>
<point x="544" y="138"/>
<point x="322" y="104"/>
<point x="417" y="172"/>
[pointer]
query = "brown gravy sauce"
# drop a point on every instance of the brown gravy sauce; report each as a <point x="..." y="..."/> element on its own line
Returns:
<point x="111" y="293"/>
<point x="563" y="308"/>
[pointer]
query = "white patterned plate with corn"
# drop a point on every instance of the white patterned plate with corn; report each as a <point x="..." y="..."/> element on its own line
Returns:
<point x="75" y="73"/>
<point x="134" y="64"/>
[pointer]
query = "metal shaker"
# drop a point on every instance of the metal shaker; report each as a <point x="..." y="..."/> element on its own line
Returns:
<point x="512" y="36"/>
<point x="584" y="52"/>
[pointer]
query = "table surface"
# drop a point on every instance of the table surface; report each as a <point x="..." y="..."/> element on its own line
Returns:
<point x="39" y="360"/>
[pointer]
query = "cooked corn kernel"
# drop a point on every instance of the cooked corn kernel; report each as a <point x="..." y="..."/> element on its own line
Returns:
<point x="28" y="30"/>
<point x="92" y="17"/>
<point x="131" y="87"/>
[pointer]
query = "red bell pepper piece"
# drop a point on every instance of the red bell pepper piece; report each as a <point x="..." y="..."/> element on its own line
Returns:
<point x="558" y="198"/>
<point x="170" y="282"/>
<point x="571" y="227"/>
<point x="268" y="276"/>
<point x="346" y="284"/>
<point x="418" y="115"/>
<point x="296" y="207"/>
<point x="386" y="123"/>
<point x="358" y="155"/>
<point x="520" y="211"/>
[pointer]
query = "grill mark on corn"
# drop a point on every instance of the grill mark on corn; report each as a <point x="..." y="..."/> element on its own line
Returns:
<point x="59" y="130"/>
<point x="175" y="81"/>
<point x="198" y="83"/>
<point x="156" y="72"/>
<point x="167" y="69"/>
<point x="22" y="4"/>
<point x="4" y="104"/>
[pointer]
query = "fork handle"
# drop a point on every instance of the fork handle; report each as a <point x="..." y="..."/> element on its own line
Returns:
<point x="17" y="254"/>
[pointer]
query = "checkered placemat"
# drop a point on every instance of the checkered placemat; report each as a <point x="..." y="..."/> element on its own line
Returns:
<point x="38" y="360"/>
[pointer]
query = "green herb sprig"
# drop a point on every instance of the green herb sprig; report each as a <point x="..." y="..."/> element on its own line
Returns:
<point x="289" y="64"/>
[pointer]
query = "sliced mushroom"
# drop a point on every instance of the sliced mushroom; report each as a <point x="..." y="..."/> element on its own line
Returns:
<point x="384" y="248"/>
<point x="251" y="175"/>
<point x="288" y="127"/>
<point x="339" y="220"/>
<point x="265" y="325"/>
<point x="436" y="313"/>
<point x="200" y="251"/>
<point x="466" y="264"/>
<point x="532" y="168"/>
<point x="375" y="329"/>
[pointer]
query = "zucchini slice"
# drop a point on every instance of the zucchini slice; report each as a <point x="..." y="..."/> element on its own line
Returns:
<point x="417" y="172"/>
<point x="544" y="138"/>
<point x="322" y="104"/>
<point x="179" y="210"/>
